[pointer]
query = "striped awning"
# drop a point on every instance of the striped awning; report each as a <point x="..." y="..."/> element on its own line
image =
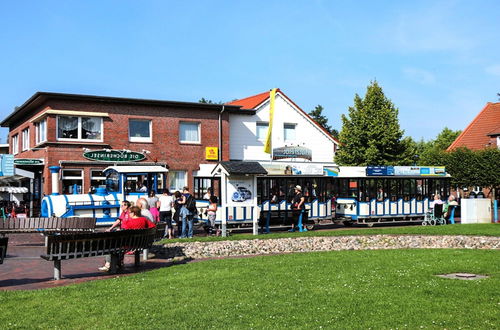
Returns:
<point x="14" y="190"/>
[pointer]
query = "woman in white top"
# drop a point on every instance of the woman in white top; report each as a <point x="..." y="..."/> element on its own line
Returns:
<point x="165" y="204"/>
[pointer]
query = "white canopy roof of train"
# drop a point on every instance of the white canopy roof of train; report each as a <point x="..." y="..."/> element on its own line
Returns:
<point x="138" y="169"/>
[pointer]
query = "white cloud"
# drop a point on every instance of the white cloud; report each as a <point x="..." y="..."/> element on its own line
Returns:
<point x="419" y="75"/>
<point x="493" y="70"/>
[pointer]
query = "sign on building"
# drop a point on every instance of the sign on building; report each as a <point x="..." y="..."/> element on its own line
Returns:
<point x="211" y="153"/>
<point x="114" y="156"/>
<point x="6" y="165"/>
<point x="292" y="152"/>
<point x="28" y="161"/>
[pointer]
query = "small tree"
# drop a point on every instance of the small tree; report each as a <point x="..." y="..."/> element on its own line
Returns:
<point x="318" y="117"/>
<point x="371" y="134"/>
<point x="207" y="101"/>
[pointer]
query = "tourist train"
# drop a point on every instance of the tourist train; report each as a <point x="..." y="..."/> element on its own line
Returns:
<point x="365" y="195"/>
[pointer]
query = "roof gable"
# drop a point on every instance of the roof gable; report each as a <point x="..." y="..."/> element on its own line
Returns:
<point x="252" y="102"/>
<point x="475" y="135"/>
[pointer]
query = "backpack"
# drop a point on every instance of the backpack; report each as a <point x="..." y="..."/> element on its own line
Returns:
<point x="191" y="204"/>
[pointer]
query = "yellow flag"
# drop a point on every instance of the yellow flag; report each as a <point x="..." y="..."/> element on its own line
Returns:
<point x="268" y="144"/>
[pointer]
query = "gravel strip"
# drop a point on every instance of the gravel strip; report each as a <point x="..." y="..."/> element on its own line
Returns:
<point x="202" y="250"/>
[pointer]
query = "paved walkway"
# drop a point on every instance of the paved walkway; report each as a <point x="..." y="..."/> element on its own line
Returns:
<point x="23" y="269"/>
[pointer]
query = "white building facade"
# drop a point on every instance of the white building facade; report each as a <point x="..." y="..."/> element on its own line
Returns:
<point x="292" y="130"/>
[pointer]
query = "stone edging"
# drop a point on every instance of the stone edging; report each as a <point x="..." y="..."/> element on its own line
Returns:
<point x="230" y="248"/>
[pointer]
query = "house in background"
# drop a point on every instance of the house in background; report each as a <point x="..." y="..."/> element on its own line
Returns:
<point x="482" y="132"/>
<point x="296" y="138"/>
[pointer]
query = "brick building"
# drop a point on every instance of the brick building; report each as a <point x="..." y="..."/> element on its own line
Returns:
<point x="55" y="129"/>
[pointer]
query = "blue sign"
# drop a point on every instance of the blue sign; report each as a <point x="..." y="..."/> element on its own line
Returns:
<point x="6" y="165"/>
<point x="379" y="170"/>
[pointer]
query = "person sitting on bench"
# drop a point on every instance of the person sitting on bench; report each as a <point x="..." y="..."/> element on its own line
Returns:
<point x="135" y="221"/>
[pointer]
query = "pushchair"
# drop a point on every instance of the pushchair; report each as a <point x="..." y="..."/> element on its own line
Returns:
<point x="435" y="216"/>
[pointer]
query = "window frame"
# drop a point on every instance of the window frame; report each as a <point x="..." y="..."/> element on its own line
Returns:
<point x="25" y="139"/>
<point x="79" y="129"/>
<point x="15" y="144"/>
<point x="261" y="123"/>
<point x="294" y="132"/>
<point x="199" y="132"/>
<point x="40" y="126"/>
<point x="173" y="189"/>
<point x="71" y="177"/>
<point x="140" y="138"/>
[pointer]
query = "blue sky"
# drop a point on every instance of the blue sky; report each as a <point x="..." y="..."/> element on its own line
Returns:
<point x="438" y="61"/>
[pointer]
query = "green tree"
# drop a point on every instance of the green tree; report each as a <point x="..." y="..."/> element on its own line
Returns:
<point x="474" y="168"/>
<point x="207" y="101"/>
<point x="432" y="152"/>
<point x="371" y="134"/>
<point x="322" y="120"/>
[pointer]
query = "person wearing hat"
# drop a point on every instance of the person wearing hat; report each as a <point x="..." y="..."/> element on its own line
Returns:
<point x="298" y="208"/>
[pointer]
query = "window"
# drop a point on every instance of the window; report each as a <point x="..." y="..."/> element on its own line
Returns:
<point x="26" y="139"/>
<point x="41" y="131"/>
<point x="72" y="181"/>
<point x="177" y="180"/>
<point x="15" y="144"/>
<point x="189" y="132"/>
<point x="79" y="128"/>
<point x="261" y="131"/>
<point x="289" y="132"/>
<point x="97" y="179"/>
<point x="139" y="130"/>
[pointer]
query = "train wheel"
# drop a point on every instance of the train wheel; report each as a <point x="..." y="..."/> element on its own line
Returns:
<point x="348" y="223"/>
<point x="310" y="227"/>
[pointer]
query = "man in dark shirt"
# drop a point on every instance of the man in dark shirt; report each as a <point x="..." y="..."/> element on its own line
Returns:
<point x="298" y="208"/>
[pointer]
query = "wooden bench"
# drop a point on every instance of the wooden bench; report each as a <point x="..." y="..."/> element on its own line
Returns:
<point x="81" y="245"/>
<point x="160" y="230"/>
<point x="45" y="225"/>
<point x="3" y="248"/>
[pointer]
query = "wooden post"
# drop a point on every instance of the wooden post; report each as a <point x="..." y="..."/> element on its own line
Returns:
<point x="137" y="258"/>
<point x="114" y="263"/>
<point x="57" y="270"/>
<point x="145" y="254"/>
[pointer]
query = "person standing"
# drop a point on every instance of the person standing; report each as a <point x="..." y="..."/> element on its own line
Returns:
<point x="165" y="204"/>
<point x="211" y="213"/>
<point x="153" y="207"/>
<point x="186" y="214"/>
<point x="177" y="208"/>
<point x="298" y="207"/>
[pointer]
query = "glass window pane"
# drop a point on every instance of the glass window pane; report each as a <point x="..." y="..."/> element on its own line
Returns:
<point x="289" y="132"/>
<point x="91" y="128"/>
<point x="67" y="127"/>
<point x="177" y="180"/>
<point x="262" y="130"/>
<point x="189" y="132"/>
<point x="139" y="128"/>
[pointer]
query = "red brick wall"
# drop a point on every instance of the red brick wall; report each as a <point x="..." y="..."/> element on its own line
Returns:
<point x="165" y="146"/>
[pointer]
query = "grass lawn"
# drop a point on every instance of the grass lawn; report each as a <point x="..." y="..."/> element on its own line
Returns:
<point x="457" y="229"/>
<point x="346" y="289"/>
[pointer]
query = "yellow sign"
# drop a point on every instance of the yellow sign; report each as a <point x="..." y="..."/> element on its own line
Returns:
<point x="211" y="153"/>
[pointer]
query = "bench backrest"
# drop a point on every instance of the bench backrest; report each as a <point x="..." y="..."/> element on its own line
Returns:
<point x="69" y="246"/>
<point x="46" y="224"/>
<point x="3" y="248"/>
<point x="160" y="230"/>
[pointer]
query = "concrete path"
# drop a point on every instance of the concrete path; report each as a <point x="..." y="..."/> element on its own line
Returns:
<point x="23" y="269"/>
